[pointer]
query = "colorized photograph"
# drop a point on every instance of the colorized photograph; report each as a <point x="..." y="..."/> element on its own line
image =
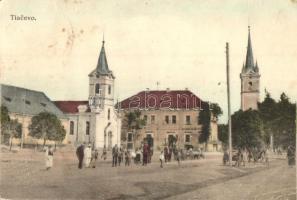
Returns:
<point x="148" y="99"/>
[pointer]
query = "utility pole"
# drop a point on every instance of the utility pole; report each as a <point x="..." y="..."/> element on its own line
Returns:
<point x="229" y="105"/>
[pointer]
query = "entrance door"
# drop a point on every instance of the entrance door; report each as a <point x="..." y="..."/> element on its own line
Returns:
<point x="150" y="140"/>
<point x="109" y="140"/>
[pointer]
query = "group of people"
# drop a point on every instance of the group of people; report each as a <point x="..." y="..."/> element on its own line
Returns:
<point x="87" y="156"/>
<point x="119" y="155"/>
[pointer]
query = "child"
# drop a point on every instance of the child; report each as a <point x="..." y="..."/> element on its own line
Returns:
<point x="161" y="159"/>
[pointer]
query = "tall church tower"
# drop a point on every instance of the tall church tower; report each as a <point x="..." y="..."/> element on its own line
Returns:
<point x="250" y="80"/>
<point x="105" y="120"/>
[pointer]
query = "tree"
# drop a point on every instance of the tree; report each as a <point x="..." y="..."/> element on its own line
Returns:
<point x="14" y="131"/>
<point x="284" y="124"/>
<point x="279" y="120"/>
<point x="205" y="115"/>
<point x="223" y="133"/>
<point x="46" y="126"/>
<point x="247" y="129"/>
<point x="134" y="123"/>
<point x="5" y="119"/>
<point x="268" y="113"/>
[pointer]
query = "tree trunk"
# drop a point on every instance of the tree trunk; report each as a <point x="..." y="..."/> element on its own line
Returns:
<point x="44" y="141"/>
<point x="10" y="145"/>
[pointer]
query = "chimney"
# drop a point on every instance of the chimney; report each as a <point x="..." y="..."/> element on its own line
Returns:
<point x="167" y="89"/>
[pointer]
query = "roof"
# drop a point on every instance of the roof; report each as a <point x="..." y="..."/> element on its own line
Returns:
<point x="102" y="65"/>
<point x="163" y="99"/>
<point x="28" y="102"/>
<point x="249" y="65"/>
<point x="70" y="106"/>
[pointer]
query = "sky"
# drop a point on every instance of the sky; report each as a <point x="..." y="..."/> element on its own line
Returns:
<point x="180" y="44"/>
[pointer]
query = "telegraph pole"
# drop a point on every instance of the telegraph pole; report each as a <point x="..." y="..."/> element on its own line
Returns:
<point x="229" y="104"/>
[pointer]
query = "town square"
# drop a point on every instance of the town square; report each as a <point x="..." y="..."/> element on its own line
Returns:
<point x="148" y="99"/>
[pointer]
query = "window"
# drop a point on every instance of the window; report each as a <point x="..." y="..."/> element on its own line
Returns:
<point x="87" y="128"/>
<point x="71" y="127"/>
<point x="108" y="114"/>
<point x="27" y="102"/>
<point x="145" y="117"/>
<point x="188" y="119"/>
<point x="167" y="119"/>
<point x="188" y="138"/>
<point x="173" y="119"/>
<point x="97" y="88"/>
<point x="43" y="104"/>
<point x="109" y="89"/>
<point x="152" y="119"/>
<point x="7" y="99"/>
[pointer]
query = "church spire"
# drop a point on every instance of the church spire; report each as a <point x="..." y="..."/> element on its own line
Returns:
<point x="102" y="66"/>
<point x="249" y="62"/>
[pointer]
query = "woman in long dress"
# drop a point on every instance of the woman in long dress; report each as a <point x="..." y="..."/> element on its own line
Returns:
<point x="49" y="157"/>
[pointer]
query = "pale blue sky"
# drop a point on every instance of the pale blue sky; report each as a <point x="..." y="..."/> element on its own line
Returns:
<point x="178" y="43"/>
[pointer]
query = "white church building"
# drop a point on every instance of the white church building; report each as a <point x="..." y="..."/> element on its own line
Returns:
<point x="96" y="120"/>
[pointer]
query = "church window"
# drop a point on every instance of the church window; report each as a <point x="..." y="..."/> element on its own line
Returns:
<point x="97" y="88"/>
<point x="71" y="127"/>
<point x="108" y="114"/>
<point x="87" y="128"/>
<point x="109" y="89"/>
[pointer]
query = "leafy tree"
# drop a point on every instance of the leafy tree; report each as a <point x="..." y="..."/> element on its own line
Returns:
<point x="247" y="129"/>
<point x="134" y="123"/>
<point x="223" y="133"/>
<point x="216" y="110"/>
<point x="14" y="130"/>
<point x="5" y="119"/>
<point x="268" y="113"/>
<point x="46" y="126"/>
<point x="284" y="124"/>
<point x="205" y="115"/>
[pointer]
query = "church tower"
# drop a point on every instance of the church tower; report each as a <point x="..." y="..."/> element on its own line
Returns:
<point x="105" y="120"/>
<point x="250" y="80"/>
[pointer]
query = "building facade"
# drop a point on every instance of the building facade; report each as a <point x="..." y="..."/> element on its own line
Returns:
<point x="171" y="116"/>
<point x="95" y="121"/>
<point x="250" y="80"/>
<point x="23" y="104"/>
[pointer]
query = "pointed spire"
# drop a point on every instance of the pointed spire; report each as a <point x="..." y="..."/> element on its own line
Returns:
<point x="256" y="67"/>
<point x="102" y="66"/>
<point x="249" y="62"/>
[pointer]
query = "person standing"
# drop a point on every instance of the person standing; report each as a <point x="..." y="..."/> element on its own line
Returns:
<point x="291" y="155"/>
<point x="145" y="153"/>
<point x="104" y="153"/>
<point x="94" y="158"/>
<point x="166" y="153"/>
<point x="88" y="155"/>
<point x="161" y="158"/>
<point x="127" y="157"/>
<point x="115" y="152"/>
<point x="80" y="155"/>
<point x="49" y="156"/>
<point x="120" y="156"/>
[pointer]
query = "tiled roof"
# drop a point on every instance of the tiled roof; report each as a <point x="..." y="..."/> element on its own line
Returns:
<point x="28" y="102"/>
<point x="174" y="99"/>
<point x="69" y="106"/>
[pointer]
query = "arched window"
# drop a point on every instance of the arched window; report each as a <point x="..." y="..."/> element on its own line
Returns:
<point x="87" y="128"/>
<point x="71" y="128"/>
<point x="109" y="89"/>
<point x="97" y="88"/>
